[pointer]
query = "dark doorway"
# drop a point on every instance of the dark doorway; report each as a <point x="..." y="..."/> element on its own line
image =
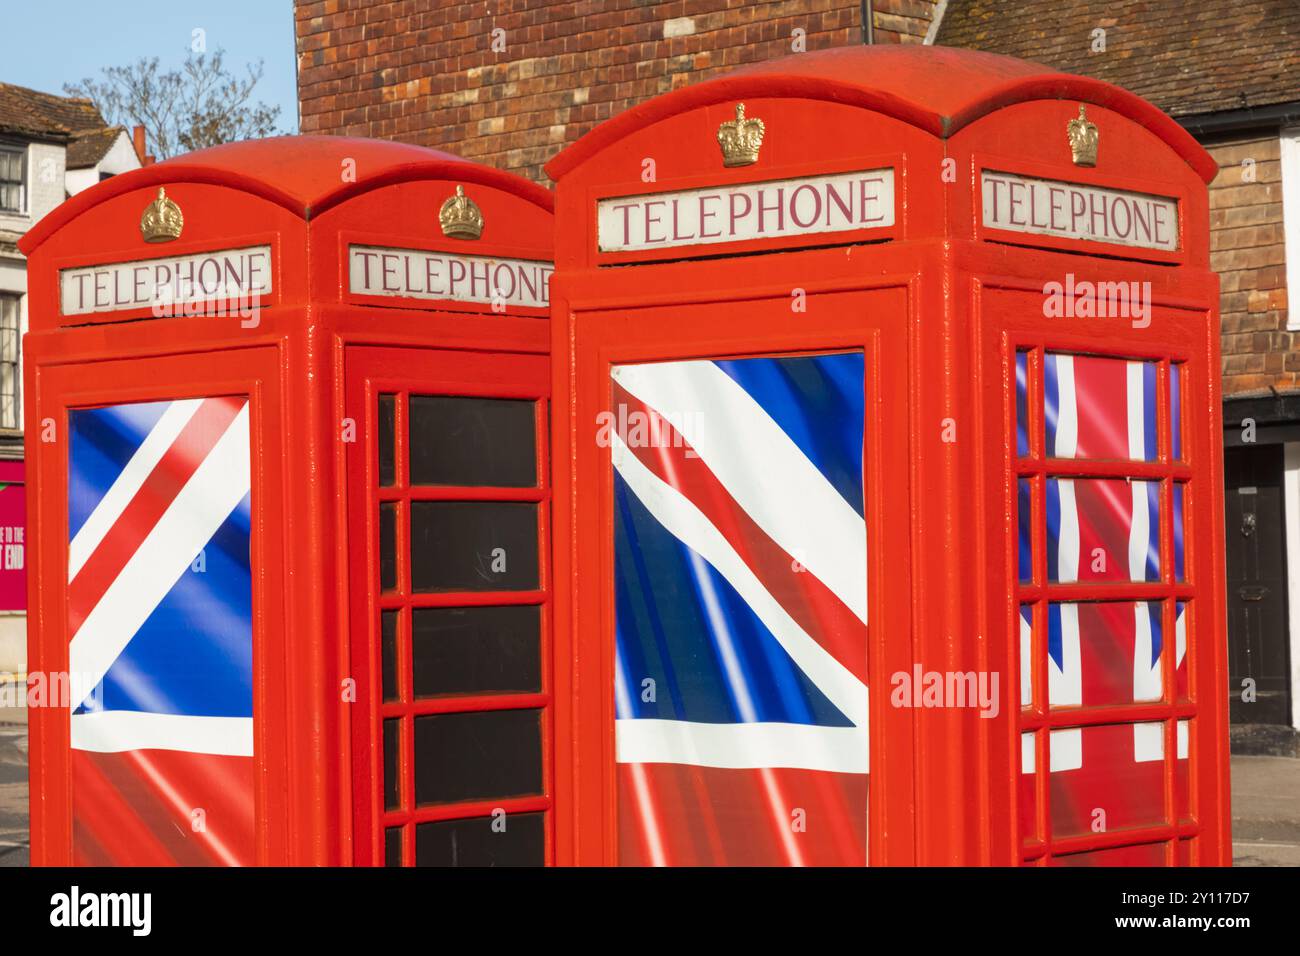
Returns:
<point x="1257" y="582"/>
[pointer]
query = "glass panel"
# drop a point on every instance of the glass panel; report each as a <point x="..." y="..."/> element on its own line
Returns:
<point x="393" y="846"/>
<point x="518" y="839"/>
<point x="186" y="621"/>
<point x="387" y="416"/>
<point x="1097" y="407"/>
<point x="387" y="546"/>
<point x="392" y="749"/>
<point x="11" y="166"/>
<point x="473" y="441"/>
<point x="1105" y="778"/>
<point x="1026" y="623"/>
<point x="1176" y="411"/>
<point x="1180" y="642"/>
<point x="1104" y="654"/>
<point x="1028" y="789"/>
<point x="1182" y="779"/>
<point x="1102" y="529"/>
<point x="473" y="546"/>
<point x="740" y="606"/>
<point x="1024" y="509"/>
<point x="464" y="650"/>
<point x="8" y="395"/>
<point x="1179" y="569"/>
<point x="1022" y="404"/>
<point x="1144" y="854"/>
<point x="477" y="756"/>
<point x="388" y="652"/>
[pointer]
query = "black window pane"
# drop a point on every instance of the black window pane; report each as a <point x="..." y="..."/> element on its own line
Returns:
<point x="387" y="467"/>
<point x="388" y="652"/>
<point x="516" y="840"/>
<point x="477" y="756"/>
<point x="472" y="441"/>
<point x="393" y="846"/>
<point x="473" y="546"/>
<point x="464" y="650"/>
<point x="387" y="546"/>
<point x="392" y="745"/>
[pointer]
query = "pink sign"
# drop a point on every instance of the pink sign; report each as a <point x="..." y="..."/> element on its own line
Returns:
<point x="13" y="538"/>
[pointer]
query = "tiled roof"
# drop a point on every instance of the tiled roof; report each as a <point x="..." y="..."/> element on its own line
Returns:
<point x="1187" y="58"/>
<point x="89" y="146"/>
<point x="34" y="113"/>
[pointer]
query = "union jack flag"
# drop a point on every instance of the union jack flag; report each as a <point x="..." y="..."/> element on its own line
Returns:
<point x="1099" y="529"/>
<point x="1104" y="654"/>
<point x="160" y="617"/>
<point x="741" y="602"/>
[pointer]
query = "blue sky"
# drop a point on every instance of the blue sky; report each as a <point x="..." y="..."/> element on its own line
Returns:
<point x="46" y="43"/>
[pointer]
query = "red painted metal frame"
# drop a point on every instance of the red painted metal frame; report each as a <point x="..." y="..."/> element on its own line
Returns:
<point x="369" y="372"/>
<point x="1163" y="343"/>
<point x="941" y="345"/>
<point x="657" y="330"/>
<point x="999" y="297"/>
<point x="292" y="362"/>
<point x="80" y="376"/>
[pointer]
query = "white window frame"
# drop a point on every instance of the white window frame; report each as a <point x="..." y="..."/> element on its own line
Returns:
<point x="1289" y="143"/>
<point x="25" y="200"/>
<point x="17" y="299"/>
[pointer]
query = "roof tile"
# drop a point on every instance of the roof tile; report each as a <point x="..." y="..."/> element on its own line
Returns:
<point x="45" y="114"/>
<point x="1214" y="56"/>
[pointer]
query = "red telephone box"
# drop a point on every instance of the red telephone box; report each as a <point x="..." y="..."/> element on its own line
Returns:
<point x="892" y="368"/>
<point x="286" y="409"/>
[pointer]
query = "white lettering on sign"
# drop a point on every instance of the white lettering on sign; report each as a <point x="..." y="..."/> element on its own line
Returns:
<point x="415" y="274"/>
<point x="1075" y="211"/>
<point x="229" y="275"/>
<point x="839" y="202"/>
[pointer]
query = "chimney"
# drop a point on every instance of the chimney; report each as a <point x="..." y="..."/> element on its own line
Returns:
<point x="137" y="140"/>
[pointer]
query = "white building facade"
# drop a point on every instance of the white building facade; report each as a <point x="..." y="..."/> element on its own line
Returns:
<point x="51" y="147"/>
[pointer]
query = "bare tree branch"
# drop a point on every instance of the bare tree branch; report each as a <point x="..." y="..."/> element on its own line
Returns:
<point x="199" y="105"/>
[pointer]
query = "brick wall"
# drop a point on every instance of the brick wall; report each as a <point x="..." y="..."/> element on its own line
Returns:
<point x="1247" y="250"/>
<point x="425" y="72"/>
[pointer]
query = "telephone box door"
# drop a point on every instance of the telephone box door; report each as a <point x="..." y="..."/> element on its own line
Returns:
<point x="167" y="740"/>
<point x="741" y="535"/>
<point x="448" y="499"/>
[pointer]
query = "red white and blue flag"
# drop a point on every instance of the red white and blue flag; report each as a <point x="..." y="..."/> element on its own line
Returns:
<point x="740" y="571"/>
<point x="1099" y="529"/>
<point x="1104" y="654"/>
<point x="160" y="613"/>
<point x="1097" y="407"/>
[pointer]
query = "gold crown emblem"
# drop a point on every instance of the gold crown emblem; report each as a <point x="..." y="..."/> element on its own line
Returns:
<point x="460" y="217"/>
<point x="1083" y="139"/>
<point x="162" y="220"/>
<point x="740" y="139"/>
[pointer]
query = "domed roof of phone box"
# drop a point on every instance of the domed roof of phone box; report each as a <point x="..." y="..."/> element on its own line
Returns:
<point x="937" y="89"/>
<point x="304" y="174"/>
